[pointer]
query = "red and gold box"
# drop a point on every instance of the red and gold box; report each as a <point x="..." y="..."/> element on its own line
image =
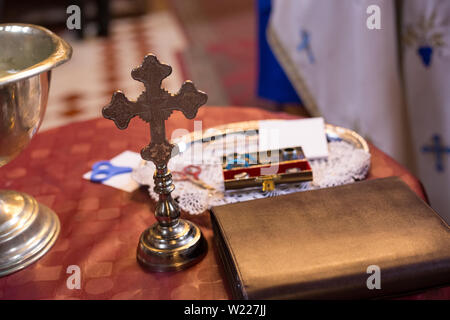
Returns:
<point x="265" y="169"/>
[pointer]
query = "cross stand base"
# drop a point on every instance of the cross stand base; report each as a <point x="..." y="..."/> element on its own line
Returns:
<point x="171" y="244"/>
<point x="174" y="248"/>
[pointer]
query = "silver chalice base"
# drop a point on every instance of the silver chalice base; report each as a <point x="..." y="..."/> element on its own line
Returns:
<point x="27" y="229"/>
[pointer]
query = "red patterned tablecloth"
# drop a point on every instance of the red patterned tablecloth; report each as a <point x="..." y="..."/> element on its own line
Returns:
<point x="100" y="225"/>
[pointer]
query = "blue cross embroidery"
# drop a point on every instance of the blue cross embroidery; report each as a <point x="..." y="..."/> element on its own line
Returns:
<point x="438" y="149"/>
<point x="305" y="45"/>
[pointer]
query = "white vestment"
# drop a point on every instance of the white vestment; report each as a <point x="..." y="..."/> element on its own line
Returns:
<point x="352" y="76"/>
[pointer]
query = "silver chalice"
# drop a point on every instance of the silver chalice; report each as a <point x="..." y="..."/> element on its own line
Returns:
<point x="28" y="53"/>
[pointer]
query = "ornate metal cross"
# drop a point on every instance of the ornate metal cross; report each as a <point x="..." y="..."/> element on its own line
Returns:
<point x="170" y="244"/>
<point x="154" y="106"/>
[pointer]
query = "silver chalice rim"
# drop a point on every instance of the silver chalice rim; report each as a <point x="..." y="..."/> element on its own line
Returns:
<point x="62" y="52"/>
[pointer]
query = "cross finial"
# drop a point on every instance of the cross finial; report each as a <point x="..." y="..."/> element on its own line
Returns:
<point x="154" y="106"/>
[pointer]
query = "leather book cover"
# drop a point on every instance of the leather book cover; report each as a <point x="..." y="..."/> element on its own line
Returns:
<point x="326" y="244"/>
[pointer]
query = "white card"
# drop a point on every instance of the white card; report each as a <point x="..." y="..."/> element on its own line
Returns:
<point x="306" y="133"/>
<point x="122" y="181"/>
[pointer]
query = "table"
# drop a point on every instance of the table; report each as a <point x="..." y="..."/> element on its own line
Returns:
<point x="100" y="225"/>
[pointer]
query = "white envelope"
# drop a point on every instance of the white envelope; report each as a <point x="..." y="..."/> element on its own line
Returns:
<point x="307" y="133"/>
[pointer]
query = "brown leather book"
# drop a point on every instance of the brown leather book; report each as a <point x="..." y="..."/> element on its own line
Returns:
<point x="319" y="244"/>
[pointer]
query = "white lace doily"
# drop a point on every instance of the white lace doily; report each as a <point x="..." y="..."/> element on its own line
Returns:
<point x="345" y="164"/>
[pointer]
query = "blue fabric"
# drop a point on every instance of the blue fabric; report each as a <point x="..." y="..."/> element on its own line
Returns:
<point x="273" y="83"/>
<point x="425" y="53"/>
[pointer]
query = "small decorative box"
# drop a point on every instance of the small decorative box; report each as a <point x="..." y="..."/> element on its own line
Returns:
<point x="265" y="169"/>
